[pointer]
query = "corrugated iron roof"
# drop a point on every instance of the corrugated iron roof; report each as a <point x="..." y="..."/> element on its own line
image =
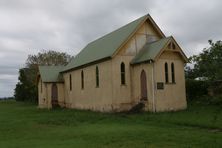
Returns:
<point x="105" y="46"/>
<point x="150" y="51"/>
<point x="51" y="73"/>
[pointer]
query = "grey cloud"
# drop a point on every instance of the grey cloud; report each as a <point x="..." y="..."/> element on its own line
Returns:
<point x="193" y="23"/>
<point x="27" y="27"/>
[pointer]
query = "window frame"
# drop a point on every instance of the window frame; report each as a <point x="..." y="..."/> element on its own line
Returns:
<point x="70" y="82"/>
<point x="82" y="80"/>
<point x="97" y="76"/>
<point x="166" y="70"/>
<point x="123" y="73"/>
<point x="173" y="73"/>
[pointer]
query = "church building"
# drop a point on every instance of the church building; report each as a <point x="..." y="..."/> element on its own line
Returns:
<point x="134" y="64"/>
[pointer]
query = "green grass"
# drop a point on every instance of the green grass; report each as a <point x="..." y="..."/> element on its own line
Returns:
<point x="23" y="125"/>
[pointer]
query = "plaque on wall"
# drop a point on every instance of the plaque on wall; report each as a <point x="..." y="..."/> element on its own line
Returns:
<point x="160" y="85"/>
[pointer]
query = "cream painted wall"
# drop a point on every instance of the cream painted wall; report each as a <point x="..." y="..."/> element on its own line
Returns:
<point x="44" y="97"/>
<point x="91" y="97"/>
<point x="111" y="95"/>
<point x="61" y="97"/>
<point x="173" y="96"/>
<point x="136" y="84"/>
<point x="121" y="92"/>
<point x="123" y="98"/>
<point x="144" y="34"/>
<point x="139" y="40"/>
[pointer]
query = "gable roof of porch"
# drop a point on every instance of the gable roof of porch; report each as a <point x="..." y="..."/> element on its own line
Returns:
<point x="150" y="51"/>
<point x="51" y="74"/>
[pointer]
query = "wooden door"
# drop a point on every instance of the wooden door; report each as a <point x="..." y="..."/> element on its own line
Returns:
<point x="143" y="84"/>
<point x="54" y="95"/>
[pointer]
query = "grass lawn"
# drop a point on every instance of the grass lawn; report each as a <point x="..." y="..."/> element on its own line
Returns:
<point x="24" y="125"/>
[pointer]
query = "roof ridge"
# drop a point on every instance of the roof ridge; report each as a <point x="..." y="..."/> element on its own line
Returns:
<point x="112" y="32"/>
<point x="105" y="46"/>
<point x="116" y="29"/>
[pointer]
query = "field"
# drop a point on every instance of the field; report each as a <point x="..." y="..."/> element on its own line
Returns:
<point x="23" y="125"/>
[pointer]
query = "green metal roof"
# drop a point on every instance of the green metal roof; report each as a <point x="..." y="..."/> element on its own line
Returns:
<point x="150" y="51"/>
<point x="51" y="73"/>
<point x="105" y="46"/>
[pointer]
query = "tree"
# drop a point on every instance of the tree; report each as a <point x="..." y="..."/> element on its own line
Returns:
<point x="208" y="63"/>
<point x="207" y="67"/>
<point x="48" y="58"/>
<point x="26" y="89"/>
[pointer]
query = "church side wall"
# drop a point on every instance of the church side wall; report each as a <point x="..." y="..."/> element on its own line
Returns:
<point x="121" y="92"/>
<point x="90" y="97"/>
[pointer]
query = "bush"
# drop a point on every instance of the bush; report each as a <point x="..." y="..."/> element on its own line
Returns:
<point x="216" y="100"/>
<point x="208" y="100"/>
<point x="196" y="89"/>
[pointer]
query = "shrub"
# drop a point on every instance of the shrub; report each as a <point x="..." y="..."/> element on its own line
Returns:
<point x="196" y="88"/>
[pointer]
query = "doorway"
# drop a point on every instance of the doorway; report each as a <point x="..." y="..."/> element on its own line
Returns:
<point x="143" y="86"/>
<point x="54" y="95"/>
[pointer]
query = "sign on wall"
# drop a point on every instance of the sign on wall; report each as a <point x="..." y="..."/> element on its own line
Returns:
<point x="160" y="85"/>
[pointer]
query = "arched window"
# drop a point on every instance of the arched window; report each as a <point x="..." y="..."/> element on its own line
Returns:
<point x="82" y="80"/>
<point x="166" y="73"/>
<point x="122" y="69"/>
<point x="173" y="72"/>
<point x="70" y="82"/>
<point x="97" y="76"/>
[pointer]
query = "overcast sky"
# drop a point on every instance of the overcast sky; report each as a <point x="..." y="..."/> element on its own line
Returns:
<point x="28" y="26"/>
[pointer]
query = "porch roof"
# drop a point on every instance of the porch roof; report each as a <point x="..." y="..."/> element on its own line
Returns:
<point x="150" y="51"/>
<point x="51" y="73"/>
